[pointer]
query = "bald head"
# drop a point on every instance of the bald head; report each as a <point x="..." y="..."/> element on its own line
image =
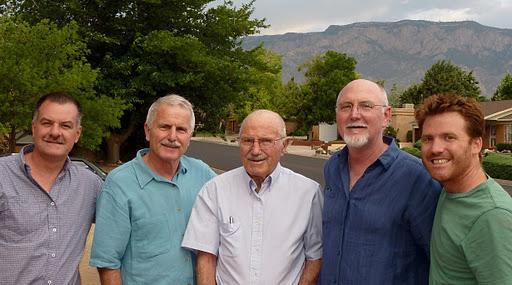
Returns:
<point x="270" y="118"/>
<point x="364" y="86"/>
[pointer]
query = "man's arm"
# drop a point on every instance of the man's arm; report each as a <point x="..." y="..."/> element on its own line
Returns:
<point x="310" y="273"/>
<point x="206" y="266"/>
<point x="110" y="276"/>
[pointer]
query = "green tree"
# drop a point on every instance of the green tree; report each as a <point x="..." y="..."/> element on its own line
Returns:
<point x="443" y="77"/>
<point x="326" y="75"/>
<point x="43" y="58"/>
<point x="146" y="49"/>
<point x="504" y="89"/>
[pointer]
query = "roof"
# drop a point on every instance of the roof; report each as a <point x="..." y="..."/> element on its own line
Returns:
<point x="494" y="107"/>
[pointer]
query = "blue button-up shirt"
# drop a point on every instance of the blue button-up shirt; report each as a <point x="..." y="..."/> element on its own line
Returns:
<point x="140" y="221"/>
<point x="379" y="232"/>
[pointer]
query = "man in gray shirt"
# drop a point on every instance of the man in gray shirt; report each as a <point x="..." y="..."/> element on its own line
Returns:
<point x="46" y="203"/>
<point x="260" y="223"/>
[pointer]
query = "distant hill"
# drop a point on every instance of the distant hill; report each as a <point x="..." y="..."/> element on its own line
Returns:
<point x="401" y="52"/>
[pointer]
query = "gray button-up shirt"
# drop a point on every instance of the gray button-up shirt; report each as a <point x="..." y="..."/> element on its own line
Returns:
<point x="259" y="238"/>
<point x="42" y="235"/>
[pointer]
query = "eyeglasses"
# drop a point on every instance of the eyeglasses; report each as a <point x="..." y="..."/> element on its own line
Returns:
<point x="363" y="107"/>
<point x="263" y="142"/>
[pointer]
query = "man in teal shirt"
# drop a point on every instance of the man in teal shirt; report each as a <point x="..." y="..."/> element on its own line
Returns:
<point x="145" y="204"/>
<point x="472" y="231"/>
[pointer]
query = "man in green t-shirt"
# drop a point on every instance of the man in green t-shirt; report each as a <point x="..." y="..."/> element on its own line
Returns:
<point x="472" y="231"/>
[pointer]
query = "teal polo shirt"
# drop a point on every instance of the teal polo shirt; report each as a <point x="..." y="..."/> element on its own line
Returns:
<point x="141" y="218"/>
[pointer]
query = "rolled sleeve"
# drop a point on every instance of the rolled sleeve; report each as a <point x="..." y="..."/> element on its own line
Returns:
<point x="202" y="231"/>
<point x="112" y="232"/>
<point x="313" y="234"/>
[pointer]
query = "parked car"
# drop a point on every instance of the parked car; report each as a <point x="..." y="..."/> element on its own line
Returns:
<point x="80" y="162"/>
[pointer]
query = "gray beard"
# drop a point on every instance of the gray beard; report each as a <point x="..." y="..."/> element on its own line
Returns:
<point x="356" y="141"/>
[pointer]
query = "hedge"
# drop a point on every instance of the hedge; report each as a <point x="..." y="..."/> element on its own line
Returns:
<point x="497" y="166"/>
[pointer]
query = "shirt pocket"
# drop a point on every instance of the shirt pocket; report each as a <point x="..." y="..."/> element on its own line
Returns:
<point x="229" y="239"/>
<point x="151" y="237"/>
<point x="21" y="219"/>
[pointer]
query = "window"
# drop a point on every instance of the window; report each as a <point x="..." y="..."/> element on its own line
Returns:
<point x="508" y="133"/>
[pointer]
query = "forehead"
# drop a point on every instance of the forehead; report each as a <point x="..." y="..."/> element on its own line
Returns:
<point x="448" y="122"/>
<point x="57" y="111"/>
<point x="261" y="126"/>
<point x="174" y="113"/>
<point x="362" y="91"/>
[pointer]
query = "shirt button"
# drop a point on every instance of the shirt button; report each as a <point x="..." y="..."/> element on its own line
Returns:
<point x="54" y="229"/>
<point x="49" y="281"/>
<point x="53" y="254"/>
<point x="52" y="204"/>
<point x="178" y="209"/>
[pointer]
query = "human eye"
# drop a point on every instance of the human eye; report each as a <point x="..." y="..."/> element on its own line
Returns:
<point x="345" y="107"/>
<point x="365" y="106"/>
<point x="266" y="142"/>
<point x="450" y="137"/>
<point x="181" y="130"/>
<point x="247" y="141"/>
<point x="426" y="139"/>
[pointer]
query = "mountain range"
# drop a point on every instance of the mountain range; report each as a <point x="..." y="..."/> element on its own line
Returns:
<point x="400" y="52"/>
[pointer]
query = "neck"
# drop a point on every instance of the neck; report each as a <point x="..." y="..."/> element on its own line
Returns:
<point x="362" y="157"/>
<point x="473" y="177"/>
<point x="165" y="169"/>
<point x="38" y="161"/>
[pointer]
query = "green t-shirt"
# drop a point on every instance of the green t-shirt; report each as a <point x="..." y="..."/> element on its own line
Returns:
<point x="472" y="237"/>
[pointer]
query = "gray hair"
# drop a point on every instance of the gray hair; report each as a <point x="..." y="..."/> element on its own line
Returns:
<point x="281" y="128"/>
<point x="171" y="100"/>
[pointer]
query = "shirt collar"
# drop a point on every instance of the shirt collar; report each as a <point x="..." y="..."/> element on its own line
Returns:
<point x="267" y="183"/>
<point x="385" y="159"/>
<point x="144" y="174"/>
<point x="30" y="148"/>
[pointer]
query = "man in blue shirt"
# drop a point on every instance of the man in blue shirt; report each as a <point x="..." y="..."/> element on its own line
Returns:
<point x="145" y="205"/>
<point x="379" y="201"/>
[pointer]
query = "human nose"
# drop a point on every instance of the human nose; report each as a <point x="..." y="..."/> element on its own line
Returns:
<point x="172" y="133"/>
<point x="436" y="146"/>
<point x="256" y="148"/>
<point x="354" y="111"/>
<point x="55" y="130"/>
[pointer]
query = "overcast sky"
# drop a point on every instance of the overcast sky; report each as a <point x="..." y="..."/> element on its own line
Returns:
<point x="316" y="15"/>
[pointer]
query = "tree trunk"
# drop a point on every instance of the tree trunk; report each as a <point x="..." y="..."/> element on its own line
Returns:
<point x="113" y="148"/>
<point x="12" y="140"/>
<point x="114" y="142"/>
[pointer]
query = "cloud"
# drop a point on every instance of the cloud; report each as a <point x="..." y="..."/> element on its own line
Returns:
<point x="310" y="16"/>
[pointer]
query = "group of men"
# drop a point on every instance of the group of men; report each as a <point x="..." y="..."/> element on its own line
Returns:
<point x="383" y="217"/>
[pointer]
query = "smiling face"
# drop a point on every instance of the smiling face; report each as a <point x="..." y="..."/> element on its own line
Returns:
<point x="169" y="133"/>
<point x="55" y="130"/>
<point x="362" y="126"/>
<point x="259" y="160"/>
<point x="448" y="152"/>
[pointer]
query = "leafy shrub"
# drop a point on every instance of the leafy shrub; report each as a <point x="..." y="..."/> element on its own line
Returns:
<point x="498" y="166"/>
<point x="504" y="146"/>
<point x="412" y="150"/>
<point x="408" y="136"/>
<point x="417" y="144"/>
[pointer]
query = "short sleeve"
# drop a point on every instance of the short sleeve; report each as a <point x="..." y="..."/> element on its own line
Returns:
<point x="112" y="230"/>
<point x="202" y="231"/>
<point x="488" y="247"/>
<point x="313" y="234"/>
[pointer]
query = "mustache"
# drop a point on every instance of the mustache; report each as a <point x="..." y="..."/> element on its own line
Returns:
<point x="169" y="143"/>
<point x="50" y="139"/>
<point x="256" y="157"/>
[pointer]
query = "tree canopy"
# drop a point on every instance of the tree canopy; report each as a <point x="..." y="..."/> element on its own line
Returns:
<point x="43" y="58"/>
<point x="146" y="49"/>
<point x="443" y="77"/>
<point x="504" y="89"/>
<point x="326" y="75"/>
